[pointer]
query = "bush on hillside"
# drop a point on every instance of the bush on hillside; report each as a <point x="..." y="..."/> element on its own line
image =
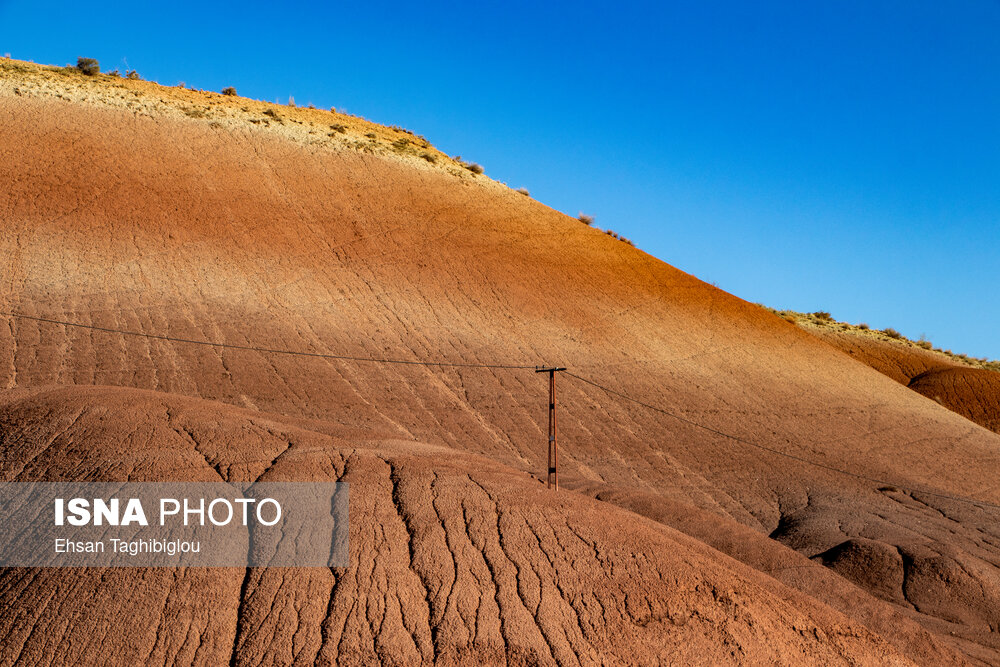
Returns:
<point x="132" y="74"/>
<point x="892" y="333"/>
<point x="823" y="315"/>
<point x="475" y="168"/>
<point x="523" y="191"/>
<point x="88" y="66"/>
<point x="585" y="219"/>
<point x="229" y="90"/>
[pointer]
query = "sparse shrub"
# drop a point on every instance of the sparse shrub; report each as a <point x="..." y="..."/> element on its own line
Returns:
<point x="312" y="106"/>
<point x="625" y="240"/>
<point x="401" y="144"/>
<point x="475" y="168"/>
<point x="585" y="219"/>
<point x="132" y="74"/>
<point x="272" y="113"/>
<point x="338" y="128"/>
<point x="863" y="326"/>
<point x="823" y="315"/>
<point x="892" y="333"/>
<point x="523" y="191"/>
<point x="430" y="157"/>
<point x="113" y="72"/>
<point x="88" y="66"/>
<point x="371" y="135"/>
<point x="291" y="101"/>
<point x="229" y="90"/>
<point x="925" y="344"/>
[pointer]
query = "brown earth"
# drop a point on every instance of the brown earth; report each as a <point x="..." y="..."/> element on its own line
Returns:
<point x="455" y="559"/>
<point x="134" y="214"/>
<point x="899" y="359"/>
<point x="971" y="392"/>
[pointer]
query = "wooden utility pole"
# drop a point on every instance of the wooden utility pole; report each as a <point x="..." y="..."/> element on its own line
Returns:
<point x="553" y="472"/>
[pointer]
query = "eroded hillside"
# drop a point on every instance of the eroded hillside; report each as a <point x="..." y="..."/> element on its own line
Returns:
<point x="965" y="385"/>
<point x="131" y="214"/>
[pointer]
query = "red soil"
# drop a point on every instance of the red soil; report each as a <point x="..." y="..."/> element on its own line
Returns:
<point x="899" y="360"/>
<point x="255" y="236"/>
<point x="454" y="559"/>
<point x="971" y="392"/>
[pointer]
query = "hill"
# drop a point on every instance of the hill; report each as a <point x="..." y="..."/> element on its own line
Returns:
<point x="125" y="211"/>
<point x="965" y="385"/>
<point x="454" y="558"/>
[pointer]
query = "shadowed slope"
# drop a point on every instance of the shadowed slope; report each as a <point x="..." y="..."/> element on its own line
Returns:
<point x="148" y="220"/>
<point x="971" y="392"/>
<point x="453" y="558"/>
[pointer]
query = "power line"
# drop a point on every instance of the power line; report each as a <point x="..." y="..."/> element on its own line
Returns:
<point x="778" y="452"/>
<point x="452" y="364"/>
<point x="267" y="350"/>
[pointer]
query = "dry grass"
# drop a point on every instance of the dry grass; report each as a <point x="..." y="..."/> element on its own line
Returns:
<point x="822" y="320"/>
<point x="90" y="67"/>
<point x="311" y="126"/>
<point x="226" y="109"/>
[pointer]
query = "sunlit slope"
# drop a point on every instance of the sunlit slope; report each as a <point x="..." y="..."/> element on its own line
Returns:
<point x="160" y="223"/>
<point x="963" y="385"/>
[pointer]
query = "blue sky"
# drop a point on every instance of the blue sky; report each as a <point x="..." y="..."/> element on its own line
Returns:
<point x="840" y="156"/>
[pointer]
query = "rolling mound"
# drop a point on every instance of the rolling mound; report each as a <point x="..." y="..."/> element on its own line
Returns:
<point x="455" y="559"/>
<point x="125" y="211"/>
<point x="971" y="392"/>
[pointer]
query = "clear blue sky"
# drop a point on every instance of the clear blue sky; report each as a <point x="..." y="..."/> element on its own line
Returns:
<point x="834" y="155"/>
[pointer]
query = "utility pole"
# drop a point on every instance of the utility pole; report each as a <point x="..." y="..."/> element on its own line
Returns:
<point x="553" y="472"/>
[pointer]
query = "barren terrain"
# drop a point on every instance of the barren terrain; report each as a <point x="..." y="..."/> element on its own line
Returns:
<point x="967" y="386"/>
<point x="122" y="210"/>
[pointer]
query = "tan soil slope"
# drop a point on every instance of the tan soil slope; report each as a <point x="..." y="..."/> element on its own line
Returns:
<point x="971" y="392"/>
<point x="898" y="359"/>
<point x="218" y="228"/>
<point x="454" y="559"/>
